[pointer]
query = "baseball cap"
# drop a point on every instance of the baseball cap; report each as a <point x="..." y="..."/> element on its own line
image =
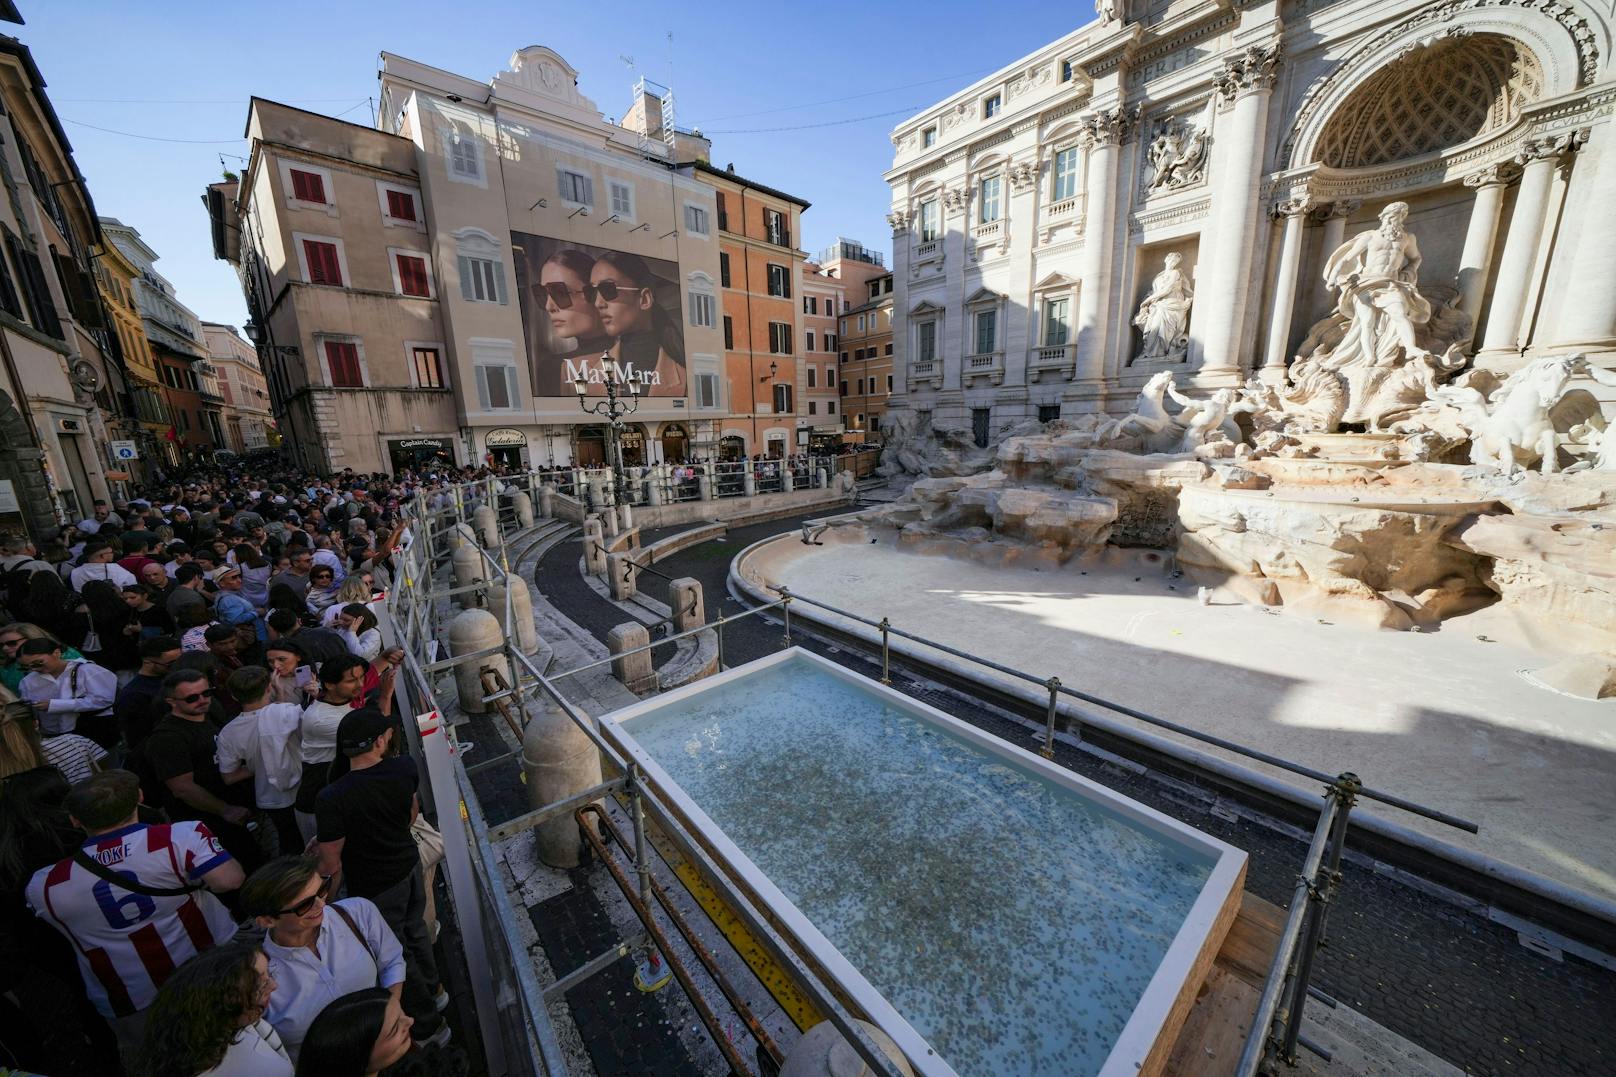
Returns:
<point x="359" y="729"/>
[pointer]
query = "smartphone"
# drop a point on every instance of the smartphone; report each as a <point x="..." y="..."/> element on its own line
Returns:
<point x="305" y="676"/>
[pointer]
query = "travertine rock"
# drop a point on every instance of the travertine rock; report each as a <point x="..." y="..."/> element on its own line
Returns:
<point x="1558" y="567"/>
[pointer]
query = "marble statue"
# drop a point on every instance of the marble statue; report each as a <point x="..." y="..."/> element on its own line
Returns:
<point x="1149" y="416"/>
<point x="1593" y="440"/>
<point x="1164" y="314"/>
<point x="1178" y="153"/>
<point x="1109" y="11"/>
<point x="1510" y="429"/>
<point x="1377" y="273"/>
<point x="1197" y="423"/>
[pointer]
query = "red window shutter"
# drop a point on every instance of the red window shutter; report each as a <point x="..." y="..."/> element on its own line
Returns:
<point x="343" y="359"/>
<point x="308" y="186"/>
<point x="324" y="268"/>
<point x="400" y="206"/>
<point x="412" y="276"/>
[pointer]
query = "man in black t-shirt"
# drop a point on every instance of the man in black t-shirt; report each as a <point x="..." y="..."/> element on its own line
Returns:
<point x="364" y="819"/>
<point x="181" y="757"/>
<point x="136" y="705"/>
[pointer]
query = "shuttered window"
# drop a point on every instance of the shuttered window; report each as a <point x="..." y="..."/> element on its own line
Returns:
<point x="412" y="277"/>
<point x="401" y="205"/>
<point x="779" y="281"/>
<point x="496" y="387"/>
<point x="36" y="294"/>
<point x="576" y="187"/>
<point x="308" y="186"/>
<point x="324" y="266"/>
<point x="729" y="331"/>
<point x="342" y="360"/>
<point x="482" y="280"/>
<point x="428" y="368"/>
<point x="707" y="391"/>
<point x="780" y="338"/>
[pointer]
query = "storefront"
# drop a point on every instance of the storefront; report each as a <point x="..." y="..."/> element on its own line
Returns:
<point x="675" y="443"/>
<point x="732" y="447"/>
<point x="416" y="454"/>
<point x="505" y="447"/>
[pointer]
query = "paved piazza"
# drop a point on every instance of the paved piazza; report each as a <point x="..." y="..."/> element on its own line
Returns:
<point x="1444" y="718"/>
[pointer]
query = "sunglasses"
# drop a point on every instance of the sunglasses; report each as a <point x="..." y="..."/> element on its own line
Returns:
<point x="9" y="643"/>
<point x="204" y="694"/>
<point x="561" y="295"/>
<point x="306" y="906"/>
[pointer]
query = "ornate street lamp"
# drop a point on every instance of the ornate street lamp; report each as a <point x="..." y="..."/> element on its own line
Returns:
<point x="614" y="407"/>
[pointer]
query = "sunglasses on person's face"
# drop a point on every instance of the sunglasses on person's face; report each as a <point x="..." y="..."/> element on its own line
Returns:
<point x="8" y="644"/>
<point x="607" y="290"/>
<point x="206" y="693"/>
<point x="306" y="906"/>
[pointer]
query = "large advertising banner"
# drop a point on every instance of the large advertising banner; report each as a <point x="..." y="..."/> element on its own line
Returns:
<point x="580" y="303"/>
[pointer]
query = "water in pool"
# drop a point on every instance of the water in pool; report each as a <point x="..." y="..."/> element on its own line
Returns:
<point x="1012" y="922"/>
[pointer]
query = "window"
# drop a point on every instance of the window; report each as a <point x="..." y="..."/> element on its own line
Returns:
<point x="888" y="349"/>
<point x="723" y="213"/>
<point x="400" y="205"/>
<point x="482" y="272"/>
<point x="495" y="366"/>
<point x="813" y="304"/>
<point x="812" y="374"/>
<point x="308" y="186"/>
<point x="843" y="357"/>
<point x="775" y="229"/>
<point x="185" y="420"/>
<point x="843" y="325"/>
<point x="859" y="387"/>
<point x="1066" y="71"/>
<point x="696" y="221"/>
<point x="428" y="366"/>
<point x="411" y="275"/>
<point x="702" y="309"/>
<point x="780" y="338"/>
<point x="1065" y="175"/>
<point x="926" y="342"/>
<point x="813" y="407"/>
<point x="780" y="281"/>
<point x="723" y="269"/>
<point x="928" y="221"/>
<point x="1057" y="326"/>
<point x="861" y="323"/>
<point x="783" y="403"/>
<point x="846" y="306"/>
<point x="889" y="383"/>
<point x="808" y="341"/>
<point x="575" y="187"/>
<point x="9" y="299"/>
<point x="928" y="138"/>
<point x="729" y="332"/>
<point x="322" y="263"/>
<point x="989" y="191"/>
<point x="987" y="331"/>
<point x="706" y="391"/>
<point x="830" y="407"/>
<point x="844" y="387"/>
<point x="830" y="342"/>
<point x="1048" y="413"/>
<point x="990" y="106"/>
<point x="342" y="364"/>
<point x="622" y="195"/>
<point x="875" y="289"/>
<point x="465" y="158"/>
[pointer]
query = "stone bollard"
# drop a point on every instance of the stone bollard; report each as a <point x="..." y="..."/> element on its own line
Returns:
<point x="476" y="630"/>
<point x="823" y="1052"/>
<point x="820" y="478"/>
<point x="689" y="611"/>
<point x="459" y="535"/>
<point x="467" y="562"/>
<point x="524" y="508"/>
<point x="594" y="539"/>
<point x="845" y="482"/>
<point x="559" y="761"/>
<point x="704" y="486"/>
<point x="547" y="496"/>
<point x="653" y="492"/>
<point x="634" y="670"/>
<point x="625" y="517"/>
<point x="485" y="520"/>
<point x="622" y="576"/>
<point x="788" y="480"/>
<point x="527" y="633"/>
<point x="608" y="521"/>
<point x="749" y="483"/>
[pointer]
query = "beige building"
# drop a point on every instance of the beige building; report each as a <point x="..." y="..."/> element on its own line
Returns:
<point x="819" y="419"/>
<point x="60" y="378"/>
<point x="328" y="229"/>
<point x="560" y="237"/>
<point x="245" y="411"/>
<point x="868" y="378"/>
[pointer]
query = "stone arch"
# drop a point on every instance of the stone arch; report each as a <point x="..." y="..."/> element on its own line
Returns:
<point x="1563" y="47"/>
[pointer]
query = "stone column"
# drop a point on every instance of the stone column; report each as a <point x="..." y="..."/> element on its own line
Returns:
<point x="1246" y="79"/>
<point x="1334" y="218"/>
<point x="1539" y="158"/>
<point x="1294" y="214"/>
<point x="1588" y="310"/>
<point x="1103" y="131"/>
<point x="1475" y="264"/>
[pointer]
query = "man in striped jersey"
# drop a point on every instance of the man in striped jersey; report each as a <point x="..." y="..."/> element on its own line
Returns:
<point x="134" y="900"/>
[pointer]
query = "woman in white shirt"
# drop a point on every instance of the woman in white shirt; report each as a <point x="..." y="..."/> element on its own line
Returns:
<point x="356" y="588"/>
<point x="356" y="624"/>
<point x="208" y="1019"/>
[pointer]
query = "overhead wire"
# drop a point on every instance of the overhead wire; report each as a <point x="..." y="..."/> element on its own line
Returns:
<point x="197" y="141"/>
<point x="849" y="97"/>
<point x="825" y="123"/>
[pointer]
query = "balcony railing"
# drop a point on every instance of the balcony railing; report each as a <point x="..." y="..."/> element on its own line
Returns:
<point x="989" y="228"/>
<point x="1062" y="208"/>
<point x="1058" y="359"/>
<point x="985" y="365"/>
<point x="926" y="249"/>
<point x="926" y="370"/>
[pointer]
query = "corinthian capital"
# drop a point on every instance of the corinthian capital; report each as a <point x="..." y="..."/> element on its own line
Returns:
<point x="1104" y="126"/>
<point x="1250" y="71"/>
<point x="1494" y="175"/>
<point x="1295" y="207"/>
<point x="1551" y="148"/>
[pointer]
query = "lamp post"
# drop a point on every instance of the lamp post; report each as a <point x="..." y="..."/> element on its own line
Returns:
<point x="614" y="407"/>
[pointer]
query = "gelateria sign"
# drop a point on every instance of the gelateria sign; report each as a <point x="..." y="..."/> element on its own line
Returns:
<point x="505" y="438"/>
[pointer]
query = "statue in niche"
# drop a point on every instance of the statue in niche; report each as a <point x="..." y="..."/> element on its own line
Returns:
<point x="1178" y="152"/>
<point x="1164" y="314"/>
<point x="1109" y="11"/>
<point x="1382" y="352"/>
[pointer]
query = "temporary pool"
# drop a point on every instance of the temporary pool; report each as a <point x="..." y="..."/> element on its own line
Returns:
<point x="994" y="913"/>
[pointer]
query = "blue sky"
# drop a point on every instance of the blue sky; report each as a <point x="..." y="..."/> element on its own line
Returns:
<point x="184" y="72"/>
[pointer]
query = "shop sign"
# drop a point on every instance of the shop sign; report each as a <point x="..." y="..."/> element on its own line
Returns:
<point x="504" y="437"/>
<point x="422" y="443"/>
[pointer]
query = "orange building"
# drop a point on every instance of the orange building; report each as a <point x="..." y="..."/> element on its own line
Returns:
<point x="761" y="274"/>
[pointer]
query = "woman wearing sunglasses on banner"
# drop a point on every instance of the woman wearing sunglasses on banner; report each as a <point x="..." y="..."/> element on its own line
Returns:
<point x="648" y="342"/>
<point x="575" y="325"/>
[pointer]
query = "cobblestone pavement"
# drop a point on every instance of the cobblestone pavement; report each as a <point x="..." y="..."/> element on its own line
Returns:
<point x="1459" y="986"/>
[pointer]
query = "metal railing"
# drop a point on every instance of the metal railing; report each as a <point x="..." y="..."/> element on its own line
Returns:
<point x="516" y="1026"/>
<point x="1276" y="1028"/>
<point x="668" y="484"/>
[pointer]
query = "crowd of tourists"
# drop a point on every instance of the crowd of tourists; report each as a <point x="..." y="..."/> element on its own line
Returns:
<point x="212" y="858"/>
